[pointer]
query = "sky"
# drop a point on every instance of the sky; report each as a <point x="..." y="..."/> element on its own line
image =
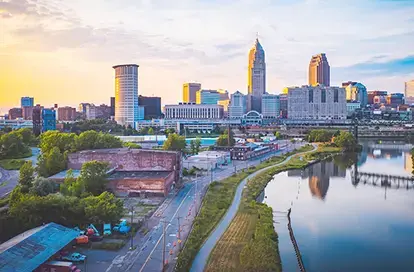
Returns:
<point x="63" y="51"/>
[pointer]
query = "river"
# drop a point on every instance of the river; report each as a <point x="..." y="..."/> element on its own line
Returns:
<point x="343" y="226"/>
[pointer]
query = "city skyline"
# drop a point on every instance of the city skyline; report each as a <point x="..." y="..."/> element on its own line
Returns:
<point x="64" y="53"/>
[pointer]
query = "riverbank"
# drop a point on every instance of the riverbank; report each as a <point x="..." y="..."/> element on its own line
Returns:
<point x="215" y="205"/>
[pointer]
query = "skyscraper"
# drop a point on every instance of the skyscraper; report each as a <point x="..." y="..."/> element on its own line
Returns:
<point x="409" y="92"/>
<point x="26" y="102"/>
<point x="189" y="92"/>
<point x="126" y="94"/>
<point x="256" y="76"/>
<point x="319" y="70"/>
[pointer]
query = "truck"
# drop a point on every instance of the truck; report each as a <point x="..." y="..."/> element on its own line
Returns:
<point x="58" y="266"/>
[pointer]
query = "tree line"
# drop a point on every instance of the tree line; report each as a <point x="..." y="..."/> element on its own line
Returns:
<point x="16" y="144"/>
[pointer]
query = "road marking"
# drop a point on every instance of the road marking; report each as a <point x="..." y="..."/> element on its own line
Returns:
<point x="162" y="235"/>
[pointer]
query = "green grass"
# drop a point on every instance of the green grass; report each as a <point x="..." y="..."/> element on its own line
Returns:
<point x="4" y="201"/>
<point x="215" y="204"/>
<point x="11" y="164"/>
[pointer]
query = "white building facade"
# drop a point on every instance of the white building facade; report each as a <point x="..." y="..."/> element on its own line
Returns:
<point x="317" y="103"/>
<point x="237" y="107"/>
<point x="126" y="94"/>
<point x="193" y="111"/>
<point x="270" y="106"/>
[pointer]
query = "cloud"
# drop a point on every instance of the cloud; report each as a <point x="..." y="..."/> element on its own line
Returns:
<point x="394" y="67"/>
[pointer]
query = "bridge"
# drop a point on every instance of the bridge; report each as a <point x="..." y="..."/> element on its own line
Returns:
<point x="406" y="147"/>
<point x="382" y="180"/>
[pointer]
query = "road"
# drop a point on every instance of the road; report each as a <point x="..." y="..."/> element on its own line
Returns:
<point x="203" y="254"/>
<point x="180" y="207"/>
<point x="9" y="178"/>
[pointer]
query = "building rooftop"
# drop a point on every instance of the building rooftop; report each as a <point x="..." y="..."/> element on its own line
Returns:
<point x="122" y="150"/>
<point x="62" y="175"/>
<point x="139" y="174"/>
<point x="27" y="251"/>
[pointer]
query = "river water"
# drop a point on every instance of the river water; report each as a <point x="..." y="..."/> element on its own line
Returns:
<point x="341" y="225"/>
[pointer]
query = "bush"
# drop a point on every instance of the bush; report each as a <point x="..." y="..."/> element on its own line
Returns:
<point x="11" y="164"/>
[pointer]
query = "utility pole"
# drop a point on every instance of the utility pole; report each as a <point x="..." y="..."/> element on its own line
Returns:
<point x="163" y="245"/>
<point x="132" y="221"/>
<point x="195" y="195"/>
<point x="179" y="233"/>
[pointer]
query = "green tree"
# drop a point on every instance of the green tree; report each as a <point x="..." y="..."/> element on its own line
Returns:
<point x="131" y="145"/>
<point x="224" y="141"/>
<point x="51" y="163"/>
<point x="63" y="141"/>
<point x="277" y="134"/>
<point x="151" y="131"/>
<point x="42" y="187"/>
<point x="93" y="176"/>
<point x="12" y="146"/>
<point x="174" y="142"/>
<point x="27" y="136"/>
<point x="72" y="186"/>
<point x="105" y="208"/>
<point x="169" y="131"/>
<point x="26" y="176"/>
<point x="345" y="140"/>
<point x="319" y="135"/>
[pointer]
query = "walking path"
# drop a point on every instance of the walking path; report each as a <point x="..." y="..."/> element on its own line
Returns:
<point x="202" y="256"/>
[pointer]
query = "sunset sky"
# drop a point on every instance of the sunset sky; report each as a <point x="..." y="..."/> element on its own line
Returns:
<point x="62" y="51"/>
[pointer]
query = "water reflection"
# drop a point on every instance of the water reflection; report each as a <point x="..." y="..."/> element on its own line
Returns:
<point x="343" y="225"/>
<point x="319" y="175"/>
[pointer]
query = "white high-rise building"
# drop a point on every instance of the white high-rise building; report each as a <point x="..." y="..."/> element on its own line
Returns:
<point x="126" y="94"/>
<point x="237" y="105"/>
<point x="317" y="103"/>
<point x="256" y="76"/>
<point x="270" y="106"/>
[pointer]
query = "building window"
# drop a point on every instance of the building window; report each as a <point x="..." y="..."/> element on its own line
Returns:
<point x="323" y="96"/>
<point x="336" y="98"/>
<point x="310" y="96"/>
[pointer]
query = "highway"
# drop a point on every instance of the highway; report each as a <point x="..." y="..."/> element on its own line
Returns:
<point x="177" y="209"/>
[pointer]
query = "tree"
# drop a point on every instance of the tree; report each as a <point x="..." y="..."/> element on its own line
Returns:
<point x="174" y="142"/>
<point x="105" y="208"/>
<point x="93" y="176"/>
<point x="26" y="176"/>
<point x="169" y="131"/>
<point x="12" y="146"/>
<point x="51" y="163"/>
<point x="319" y="135"/>
<point x="224" y="141"/>
<point x="192" y="147"/>
<point x="345" y="140"/>
<point x="72" y="186"/>
<point x="27" y="135"/>
<point x="131" y="145"/>
<point x="151" y="131"/>
<point x="277" y="134"/>
<point x="412" y="157"/>
<point x="42" y="187"/>
<point x="63" y="141"/>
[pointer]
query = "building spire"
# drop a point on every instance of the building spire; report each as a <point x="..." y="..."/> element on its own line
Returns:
<point x="257" y="35"/>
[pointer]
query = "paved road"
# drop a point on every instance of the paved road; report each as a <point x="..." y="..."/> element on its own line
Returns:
<point x="180" y="207"/>
<point x="201" y="259"/>
<point x="9" y="178"/>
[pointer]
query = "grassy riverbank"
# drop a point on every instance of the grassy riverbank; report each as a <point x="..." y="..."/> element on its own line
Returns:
<point x="251" y="243"/>
<point x="215" y="204"/>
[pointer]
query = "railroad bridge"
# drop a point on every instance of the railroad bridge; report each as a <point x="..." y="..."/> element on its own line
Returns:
<point x="382" y="180"/>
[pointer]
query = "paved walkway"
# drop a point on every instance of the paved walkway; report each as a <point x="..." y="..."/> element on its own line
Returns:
<point x="200" y="260"/>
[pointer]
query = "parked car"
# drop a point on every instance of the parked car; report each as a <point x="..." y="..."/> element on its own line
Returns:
<point x="74" y="257"/>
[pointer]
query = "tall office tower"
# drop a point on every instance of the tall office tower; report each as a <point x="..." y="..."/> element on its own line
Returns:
<point x="190" y="91"/>
<point x="319" y="70"/>
<point x="126" y="94"/>
<point x="48" y="119"/>
<point x="26" y="102"/>
<point x="409" y="92"/>
<point x="256" y="76"/>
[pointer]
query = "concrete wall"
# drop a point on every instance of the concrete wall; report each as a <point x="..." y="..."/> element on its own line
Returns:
<point x="159" y="186"/>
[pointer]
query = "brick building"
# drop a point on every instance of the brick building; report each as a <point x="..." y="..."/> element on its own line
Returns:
<point x="135" y="170"/>
<point x="66" y="114"/>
